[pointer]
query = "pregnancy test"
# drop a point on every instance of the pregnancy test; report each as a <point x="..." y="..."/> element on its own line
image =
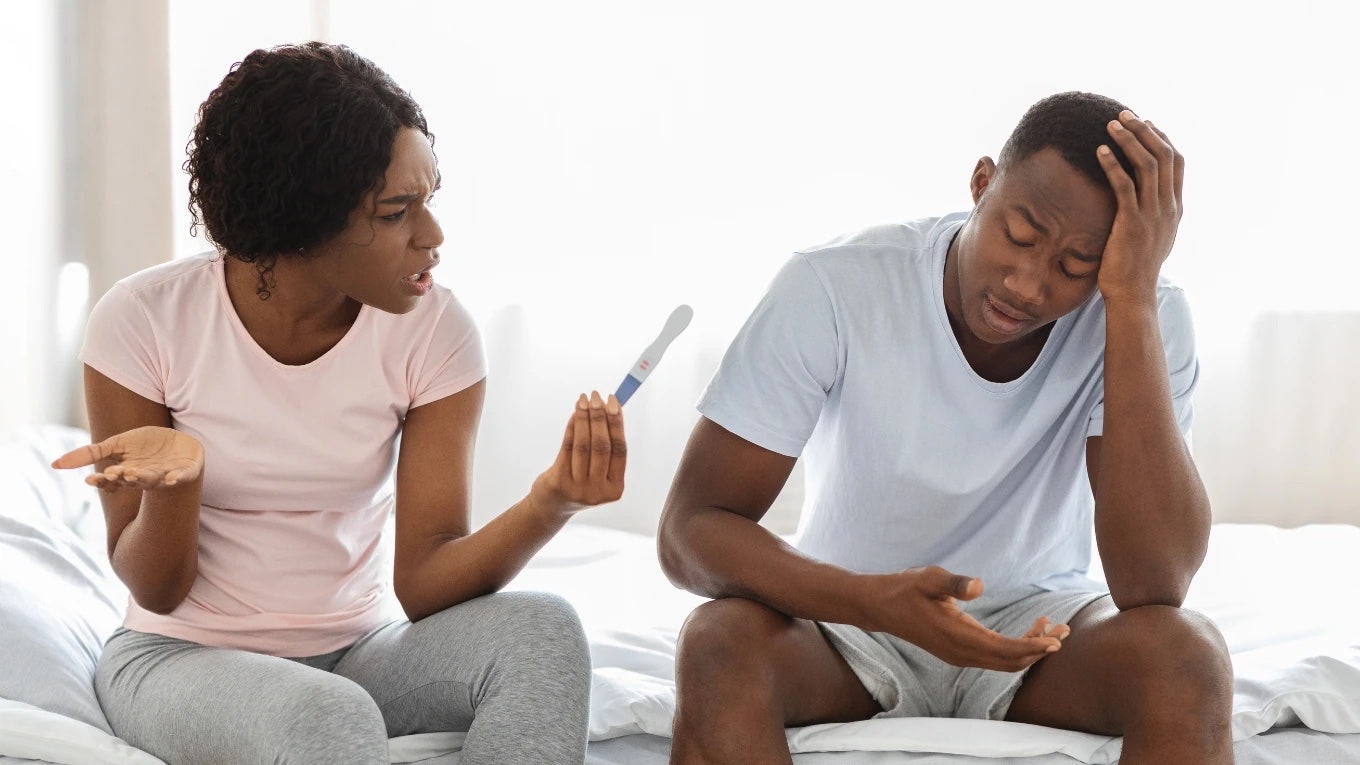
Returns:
<point x="676" y="324"/>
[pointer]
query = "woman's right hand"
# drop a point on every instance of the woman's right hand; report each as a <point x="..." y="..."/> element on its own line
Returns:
<point x="589" y="467"/>
<point x="145" y="458"/>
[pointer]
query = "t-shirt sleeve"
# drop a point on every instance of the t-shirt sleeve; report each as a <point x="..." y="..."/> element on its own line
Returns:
<point x="120" y="343"/>
<point x="775" y="377"/>
<point x="453" y="359"/>
<point x="1178" y="339"/>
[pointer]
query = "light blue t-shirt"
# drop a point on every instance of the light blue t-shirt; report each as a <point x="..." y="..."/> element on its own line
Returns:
<point x="911" y="458"/>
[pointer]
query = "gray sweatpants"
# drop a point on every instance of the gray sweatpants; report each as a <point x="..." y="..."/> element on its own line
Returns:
<point x="511" y="669"/>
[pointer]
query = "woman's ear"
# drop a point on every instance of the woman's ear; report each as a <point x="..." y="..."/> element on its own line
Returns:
<point x="983" y="175"/>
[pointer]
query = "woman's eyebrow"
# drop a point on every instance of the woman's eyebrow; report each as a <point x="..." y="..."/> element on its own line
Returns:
<point x="400" y="200"/>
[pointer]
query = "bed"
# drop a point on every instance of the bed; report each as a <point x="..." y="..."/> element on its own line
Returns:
<point x="1284" y="599"/>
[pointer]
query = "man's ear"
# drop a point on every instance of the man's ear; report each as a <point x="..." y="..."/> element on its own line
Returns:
<point x="983" y="175"/>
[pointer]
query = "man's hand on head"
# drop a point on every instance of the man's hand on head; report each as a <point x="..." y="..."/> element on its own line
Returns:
<point x="1149" y="210"/>
<point x="920" y="605"/>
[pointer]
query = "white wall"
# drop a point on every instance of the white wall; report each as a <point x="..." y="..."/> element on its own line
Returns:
<point x="604" y="161"/>
<point x="123" y="112"/>
<point x="30" y="188"/>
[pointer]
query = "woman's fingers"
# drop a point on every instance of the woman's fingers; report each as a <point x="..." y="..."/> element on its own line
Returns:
<point x="90" y="453"/>
<point x="580" y="451"/>
<point x="599" y="440"/>
<point x="589" y="467"/>
<point x="568" y="445"/>
<point x="145" y="478"/>
<point x="618" y="446"/>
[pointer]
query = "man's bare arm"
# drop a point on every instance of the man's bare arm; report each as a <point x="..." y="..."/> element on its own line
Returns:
<point x="1152" y="512"/>
<point x="711" y="543"/>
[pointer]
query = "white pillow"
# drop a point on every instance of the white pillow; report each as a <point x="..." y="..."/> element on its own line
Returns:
<point x="35" y="734"/>
<point x="59" y="601"/>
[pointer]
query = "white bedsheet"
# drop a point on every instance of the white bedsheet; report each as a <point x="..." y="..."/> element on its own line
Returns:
<point x="1283" y="598"/>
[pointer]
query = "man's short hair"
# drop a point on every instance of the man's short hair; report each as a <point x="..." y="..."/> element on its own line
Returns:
<point x="1074" y="123"/>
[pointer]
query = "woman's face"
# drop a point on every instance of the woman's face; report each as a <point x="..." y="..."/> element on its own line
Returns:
<point x="384" y="256"/>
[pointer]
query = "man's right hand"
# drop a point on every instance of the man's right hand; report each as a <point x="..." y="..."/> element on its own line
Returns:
<point x="147" y="458"/>
<point x="920" y="606"/>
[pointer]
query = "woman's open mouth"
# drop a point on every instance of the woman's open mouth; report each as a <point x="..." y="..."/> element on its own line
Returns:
<point x="418" y="284"/>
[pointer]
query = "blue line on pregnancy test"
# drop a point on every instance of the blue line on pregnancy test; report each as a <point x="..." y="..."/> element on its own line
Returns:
<point x="679" y="319"/>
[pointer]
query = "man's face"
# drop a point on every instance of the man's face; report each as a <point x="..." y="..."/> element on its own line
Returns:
<point x="1031" y="250"/>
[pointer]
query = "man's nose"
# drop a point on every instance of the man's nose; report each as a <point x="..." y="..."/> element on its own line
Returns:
<point x="1026" y="281"/>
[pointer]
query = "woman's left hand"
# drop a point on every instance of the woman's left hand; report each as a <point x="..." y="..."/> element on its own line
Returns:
<point x="1149" y="210"/>
<point x="589" y="467"/>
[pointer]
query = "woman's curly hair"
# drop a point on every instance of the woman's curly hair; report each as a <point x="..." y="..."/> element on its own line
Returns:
<point x="286" y="147"/>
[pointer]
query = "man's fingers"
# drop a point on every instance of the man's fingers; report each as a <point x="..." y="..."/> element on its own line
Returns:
<point x="580" y="452"/>
<point x="1044" y="627"/>
<point x="1178" y="164"/>
<point x="599" y="439"/>
<point x="1013" y="654"/>
<point x="1129" y="132"/>
<point x="1039" y="628"/>
<point x="985" y="648"/>
<point x="939" y="583"/>
<point x="1125" y="193"/>
<point x="618" y="447"/>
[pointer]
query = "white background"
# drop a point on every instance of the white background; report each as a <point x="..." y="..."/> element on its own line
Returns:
<point x="605" y="161"/>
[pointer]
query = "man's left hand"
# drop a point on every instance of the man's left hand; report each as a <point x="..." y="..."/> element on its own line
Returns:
<point x="1149" y="210"/>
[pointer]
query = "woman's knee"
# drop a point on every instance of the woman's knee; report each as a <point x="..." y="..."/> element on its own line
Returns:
<point x="545" y="617"/>
<point x="539" y="633"/>
<point x="334" y="720"/>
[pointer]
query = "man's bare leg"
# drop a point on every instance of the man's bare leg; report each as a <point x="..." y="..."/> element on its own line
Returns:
<point x="744" y="672"/>
<point x="1159" y="676"/>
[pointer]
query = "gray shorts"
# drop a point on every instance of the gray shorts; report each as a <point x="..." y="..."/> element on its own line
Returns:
<point x="907" y="681"/>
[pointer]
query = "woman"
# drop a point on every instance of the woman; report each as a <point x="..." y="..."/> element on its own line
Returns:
<point x="247" y="405"/>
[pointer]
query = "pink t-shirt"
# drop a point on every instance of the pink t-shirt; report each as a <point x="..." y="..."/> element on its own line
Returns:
<point x="297" y="458"/>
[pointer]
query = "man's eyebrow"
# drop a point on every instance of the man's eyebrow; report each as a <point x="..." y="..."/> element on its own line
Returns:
<point x="1029" y="217"/>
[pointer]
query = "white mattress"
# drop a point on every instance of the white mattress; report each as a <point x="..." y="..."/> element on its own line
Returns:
<point x="1289" y="746"/>
<point x="1295" y="646"/>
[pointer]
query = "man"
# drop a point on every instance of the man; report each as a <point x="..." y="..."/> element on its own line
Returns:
<point x="947" y="379"/>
